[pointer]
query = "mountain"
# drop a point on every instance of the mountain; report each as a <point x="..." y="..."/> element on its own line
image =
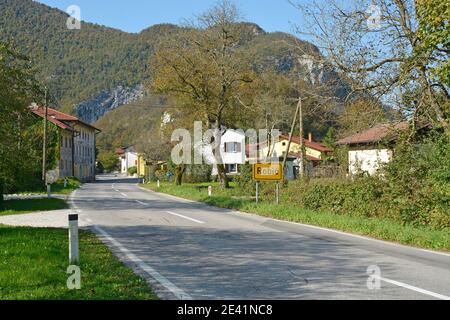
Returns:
<point x="95" y="70"/>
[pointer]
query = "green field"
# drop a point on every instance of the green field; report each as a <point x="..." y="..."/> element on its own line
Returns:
<point x="374" y="227"/>
<point x="33" y="264"/>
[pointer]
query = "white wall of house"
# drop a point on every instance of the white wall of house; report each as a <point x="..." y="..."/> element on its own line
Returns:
<point x="368" y="160"/>
<point x="129" y="159"/>
<point x="232" y="150"/>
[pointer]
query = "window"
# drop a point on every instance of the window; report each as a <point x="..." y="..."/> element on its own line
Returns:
<point x="232" y="168"/>
<point x="233" y="147"/>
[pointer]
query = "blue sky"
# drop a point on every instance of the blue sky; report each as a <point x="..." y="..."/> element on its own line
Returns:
<point x="135" y="15"/>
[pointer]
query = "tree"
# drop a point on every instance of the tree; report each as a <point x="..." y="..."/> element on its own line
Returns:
<point x="17" y="89"/>
<point x="434" y="35"/>
<point x="390" y="50"/>
<point x="360" y="115"/>
<point x="109" y="161"/>
<point x="203" y="71"/>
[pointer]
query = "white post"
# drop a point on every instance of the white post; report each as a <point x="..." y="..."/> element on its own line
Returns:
<point x="209" y="191"/>
<point x="257" y="191"/>
<point x="157" y="183"/>
<point x="74" y="257"/>
<point x="65" y="182"/>
<point x="49" y="190"/>
<point x="278" y="192"/>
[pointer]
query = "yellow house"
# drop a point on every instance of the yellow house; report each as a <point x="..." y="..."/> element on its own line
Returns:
<point x="141" y="166"/>
<point x="315" y="151"/>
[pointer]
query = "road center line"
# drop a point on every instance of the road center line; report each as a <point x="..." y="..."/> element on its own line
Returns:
<point x="166" y="283"/>
<point x="407" y="286"/>
<point x="140" y="202"/>
<point x="184" y="217"/>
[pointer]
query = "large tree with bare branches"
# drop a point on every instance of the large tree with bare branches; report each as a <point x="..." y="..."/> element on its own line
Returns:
<point x="201" y="69"/>
<point x="389" y="49"/>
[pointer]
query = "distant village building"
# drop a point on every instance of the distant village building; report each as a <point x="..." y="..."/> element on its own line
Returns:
<point x="128" y="158"/>
<point x="370" y="149"/>
<point x="77" y="141"/>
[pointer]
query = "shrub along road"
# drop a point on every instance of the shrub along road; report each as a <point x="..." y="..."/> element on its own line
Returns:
<point x="191" y="250"/>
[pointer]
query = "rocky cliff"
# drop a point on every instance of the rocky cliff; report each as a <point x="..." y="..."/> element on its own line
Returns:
<point x="93" y="109"/>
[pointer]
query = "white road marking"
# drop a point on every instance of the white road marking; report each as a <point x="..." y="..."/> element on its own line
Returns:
<point x="184" y="217"/>
<point x="166" y="283"/>
<point x="407" y="286"/>
<point x="140" y="202"/>
<point x="123" y="194"/>
<point x="308" y="226"/>
<point x="116" y="190"/>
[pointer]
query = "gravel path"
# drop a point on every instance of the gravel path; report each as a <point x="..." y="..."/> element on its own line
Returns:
<point x="50" y="219"/>
<point x="33" y="196"/>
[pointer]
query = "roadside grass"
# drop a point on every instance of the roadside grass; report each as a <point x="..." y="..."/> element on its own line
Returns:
<point x="33" y="264"/>
<point x="22" y="206"/>
<point x="57" y="187"/>
<point x="72" y="185"/>
<point x="382" y="229"/>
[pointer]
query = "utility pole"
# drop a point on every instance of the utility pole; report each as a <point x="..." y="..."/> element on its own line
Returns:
<point x="290" y="137"/>
<point x="44" y="145"/>
<point x="301" y="165"/>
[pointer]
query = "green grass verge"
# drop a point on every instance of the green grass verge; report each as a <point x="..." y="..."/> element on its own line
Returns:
<point x="377" y="228"/>
<point x="21" y="206"/>
<point x="33" y="264"/>
<point x="57" y="187"/>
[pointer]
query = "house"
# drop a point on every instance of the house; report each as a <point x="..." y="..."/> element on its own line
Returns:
<point x="315" y="152"/>
<point x="370" y="149"/>
<point x="232" y="152"/>
<point x="77" y="141"/>
<point x="128" y="158"/>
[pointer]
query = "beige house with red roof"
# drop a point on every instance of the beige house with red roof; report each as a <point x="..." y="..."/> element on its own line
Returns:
<point x="77" y="141"/>
<point x="315" y="152"/>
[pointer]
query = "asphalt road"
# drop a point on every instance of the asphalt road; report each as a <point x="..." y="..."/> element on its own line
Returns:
<point x="188" y="250"/>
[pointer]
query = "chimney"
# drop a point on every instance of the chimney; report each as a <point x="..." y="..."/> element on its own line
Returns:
<point x="310" y="137"/>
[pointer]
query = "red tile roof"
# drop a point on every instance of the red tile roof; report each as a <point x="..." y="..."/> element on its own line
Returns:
<point x="308" y="157"/>
<point x="59" y="118"/>
<point x="384" y="131"/>
<point x="120" y="151"/>
<point x="310" y="144"/>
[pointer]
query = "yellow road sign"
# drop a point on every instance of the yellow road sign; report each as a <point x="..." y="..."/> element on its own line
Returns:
<point x="268" y="172"/>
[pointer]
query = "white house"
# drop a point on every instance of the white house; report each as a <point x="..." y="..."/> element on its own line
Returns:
<point x="369" y="150"/>
<point x="128" y="158"/>
<point x="232" y="152"/>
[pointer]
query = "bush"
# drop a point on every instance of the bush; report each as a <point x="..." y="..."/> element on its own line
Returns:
<point x="244" y="180"/>
<point x="132" y="170"/>
<point x="197" y="173"/>
<point x="413" y="189"/>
